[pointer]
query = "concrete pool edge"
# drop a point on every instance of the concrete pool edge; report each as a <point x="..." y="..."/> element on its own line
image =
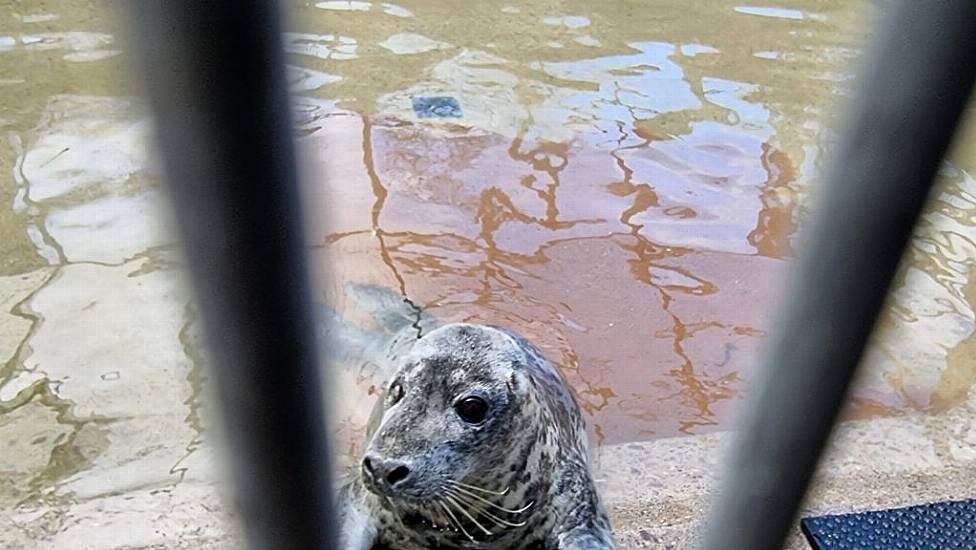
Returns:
<point x="872" y="464"/>
<point x="876" y="463"/>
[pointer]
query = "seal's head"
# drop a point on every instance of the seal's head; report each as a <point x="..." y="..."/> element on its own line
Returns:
<point x="455" y="413"/>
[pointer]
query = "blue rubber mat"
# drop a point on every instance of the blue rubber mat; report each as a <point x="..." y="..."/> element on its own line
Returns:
<point x="929" y="526"/>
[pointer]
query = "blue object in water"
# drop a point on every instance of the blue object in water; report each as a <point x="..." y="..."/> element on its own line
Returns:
<point x="436" y="107"/>
<point x="929" y="526"/>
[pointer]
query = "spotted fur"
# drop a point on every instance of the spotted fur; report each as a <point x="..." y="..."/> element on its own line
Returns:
<point x="531" y="446"/>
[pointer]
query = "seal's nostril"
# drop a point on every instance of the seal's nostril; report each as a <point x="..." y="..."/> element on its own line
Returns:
<point x="398" y="474"/>
<point x="368" y="466"/>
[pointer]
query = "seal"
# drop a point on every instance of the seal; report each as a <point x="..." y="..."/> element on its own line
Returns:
<point x="477" y="442"/>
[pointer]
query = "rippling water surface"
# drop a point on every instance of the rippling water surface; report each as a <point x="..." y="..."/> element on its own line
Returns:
<point x="622" y="182"/>
<point x="623" y="186"/>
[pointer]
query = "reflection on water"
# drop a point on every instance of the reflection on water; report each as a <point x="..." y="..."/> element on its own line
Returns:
<point x="633" y="212"/>
<point x="930" y="319"/>
<point x="623" y="186"/>
<point x="770" y="12"/>
<point x="641" y="266"/>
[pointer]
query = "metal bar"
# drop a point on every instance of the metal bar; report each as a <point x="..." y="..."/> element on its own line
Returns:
<point x="916" y="80"/>
<point x="214" y="77"/>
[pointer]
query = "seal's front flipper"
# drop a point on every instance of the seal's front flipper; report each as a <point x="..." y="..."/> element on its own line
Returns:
<point x="392" y="311"/>
<point x="395" y="319"/>
<point x="338" y="339"/>
<point x="387" y="326"/>
<point x="585" y="540"/>
<point x="357" y="529"/>
<point x="586" y="526"/>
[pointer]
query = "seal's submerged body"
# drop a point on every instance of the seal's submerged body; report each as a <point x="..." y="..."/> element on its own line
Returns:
<point x="477" y="443"/>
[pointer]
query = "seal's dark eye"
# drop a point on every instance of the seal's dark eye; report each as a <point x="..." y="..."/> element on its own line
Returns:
<point x="472" y="409"/>
<point x="396" y="393"/>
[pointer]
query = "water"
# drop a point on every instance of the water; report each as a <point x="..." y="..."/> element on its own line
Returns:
<point x="620" y="183"/>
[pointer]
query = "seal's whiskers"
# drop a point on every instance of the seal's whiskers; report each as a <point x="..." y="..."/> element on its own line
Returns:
<point x="455" y="520"/>
<point x="478" y="489"/>
<point x="480" y="511"/>
<point x="471" y="495"/>
<point x="439" y="519"/>
<point x="453" y="501"/>
<point x="393" y="509"/>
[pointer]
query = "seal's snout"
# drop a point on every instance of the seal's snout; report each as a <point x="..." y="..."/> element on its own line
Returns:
<point x="385" y="476"/>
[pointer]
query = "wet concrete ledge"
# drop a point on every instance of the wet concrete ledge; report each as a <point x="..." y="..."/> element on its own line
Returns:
<point x="657" y="491"/>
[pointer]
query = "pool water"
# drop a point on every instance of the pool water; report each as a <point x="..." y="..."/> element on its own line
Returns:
<point x="617" y="184"/>
<point x="623" y="183"/>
